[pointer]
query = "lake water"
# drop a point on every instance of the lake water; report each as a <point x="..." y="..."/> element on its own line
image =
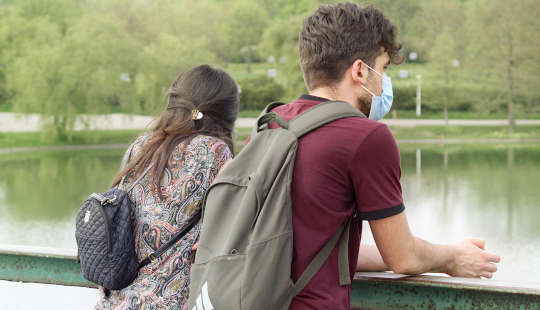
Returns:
<point x="450" y="193"/>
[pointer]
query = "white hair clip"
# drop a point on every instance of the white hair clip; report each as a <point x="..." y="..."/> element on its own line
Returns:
<point x="196" y="114"/>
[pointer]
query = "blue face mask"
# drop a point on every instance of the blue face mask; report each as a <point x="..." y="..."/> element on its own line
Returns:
<point x="380" y="105"/>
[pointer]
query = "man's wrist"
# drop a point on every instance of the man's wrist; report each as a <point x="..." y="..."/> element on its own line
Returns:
<point x="450" y="261"/>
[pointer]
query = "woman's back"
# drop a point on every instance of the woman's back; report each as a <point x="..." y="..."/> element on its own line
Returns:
<point x="164" y="283"/>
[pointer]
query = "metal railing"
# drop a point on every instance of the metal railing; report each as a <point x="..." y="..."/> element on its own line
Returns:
<point x="370" y="290"/>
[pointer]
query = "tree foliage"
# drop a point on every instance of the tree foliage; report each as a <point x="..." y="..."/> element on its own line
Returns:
<point x="66" y="57"/>
<point x="504" y="50"/>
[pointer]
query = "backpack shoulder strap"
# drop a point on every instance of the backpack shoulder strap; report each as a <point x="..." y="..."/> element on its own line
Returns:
<point x="270" y="107"/>
<point x="266" y="116"/>
<point x="321" y="257"/>
<point x="320" y="115"/>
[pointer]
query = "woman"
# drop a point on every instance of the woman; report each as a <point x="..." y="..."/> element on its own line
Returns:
<point x="190" y="143"/>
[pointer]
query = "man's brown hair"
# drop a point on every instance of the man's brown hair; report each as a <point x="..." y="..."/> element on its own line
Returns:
<point x="336" y="35"/>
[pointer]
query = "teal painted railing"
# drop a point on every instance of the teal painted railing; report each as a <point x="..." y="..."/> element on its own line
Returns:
<point x="369" y="290"/>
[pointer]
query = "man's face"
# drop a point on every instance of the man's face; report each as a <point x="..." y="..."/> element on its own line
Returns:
<point x="374" y="82"/>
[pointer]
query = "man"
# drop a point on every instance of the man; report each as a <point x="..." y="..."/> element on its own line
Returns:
<point x="353" y="163"/>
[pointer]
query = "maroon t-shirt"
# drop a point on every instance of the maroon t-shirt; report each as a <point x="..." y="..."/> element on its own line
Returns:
<point x="346" y="164"/>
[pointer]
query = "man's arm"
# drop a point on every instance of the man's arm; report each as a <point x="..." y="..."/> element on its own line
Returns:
<point x="407" y="254"/>
<point x="369" y="259"/>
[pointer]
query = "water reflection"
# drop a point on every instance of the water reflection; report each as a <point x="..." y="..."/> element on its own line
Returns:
<point x="491" y="192"/>
<point x="450" y="193"/>
<point x="51" y="185"/>
<point x="498" y="184"/>
<point x="40" y="193"/>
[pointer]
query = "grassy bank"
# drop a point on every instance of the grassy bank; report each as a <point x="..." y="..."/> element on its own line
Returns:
<point x="400" y="133"/>
<point x="450" y="132"/>
<point x="407" y="114"/>
<point x="21" y="139"/>
<point x="465" y="132"/>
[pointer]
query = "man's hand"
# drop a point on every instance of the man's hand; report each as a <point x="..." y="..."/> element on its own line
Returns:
<point x="472" y="261"/>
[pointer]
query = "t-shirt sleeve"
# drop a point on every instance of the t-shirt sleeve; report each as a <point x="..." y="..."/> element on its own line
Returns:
<point x="375" y="171"/>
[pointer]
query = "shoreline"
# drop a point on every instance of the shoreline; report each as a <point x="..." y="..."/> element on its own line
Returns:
<point x="437" y="142"/>
<point x="11" y="142"/>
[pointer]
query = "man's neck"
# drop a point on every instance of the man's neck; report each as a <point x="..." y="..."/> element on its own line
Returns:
<point x="333" y="94"/>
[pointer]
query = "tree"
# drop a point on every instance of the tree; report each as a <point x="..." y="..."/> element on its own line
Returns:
<point x="411" y="25"/>
<point x="445" y="36"/>
<point x="281" y="9"/>
<point x="243" y="29"/>
<point x="280" y="40"/>
<point x="504" y="44"/>
<point x="79" y="73"/>
<point x="444" y="62"/>
<point x="162" y="61"/>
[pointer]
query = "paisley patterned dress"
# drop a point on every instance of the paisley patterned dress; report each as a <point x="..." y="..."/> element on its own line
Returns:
<point x="164" y="283"/>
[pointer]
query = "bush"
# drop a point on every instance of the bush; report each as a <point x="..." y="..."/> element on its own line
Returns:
<point x="259" y="91"/>
<point x="461" y="98"/>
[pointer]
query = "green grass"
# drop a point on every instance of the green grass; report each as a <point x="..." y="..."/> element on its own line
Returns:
<point x="6" y="107"/>
<point x="465" y="132"/>
<point x="409" y="114"/>
<point x="400" y="133"/>
<point x="21" y="139"/>
<point x="249" y="113"/>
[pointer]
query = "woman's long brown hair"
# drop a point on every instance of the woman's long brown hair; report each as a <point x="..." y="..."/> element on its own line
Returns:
<point x="211" y="91"/>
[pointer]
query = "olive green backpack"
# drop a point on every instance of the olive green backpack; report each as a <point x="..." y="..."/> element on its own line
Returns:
<point x="246" y="244"/>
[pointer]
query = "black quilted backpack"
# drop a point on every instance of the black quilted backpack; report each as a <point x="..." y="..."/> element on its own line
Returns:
<point x="105" y="241"/>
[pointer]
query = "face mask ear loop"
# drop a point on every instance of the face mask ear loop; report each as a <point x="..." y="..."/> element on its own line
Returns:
<point x="382" y="77"/>
<point x="369" y="91"/>
<point x="373" y="70"/>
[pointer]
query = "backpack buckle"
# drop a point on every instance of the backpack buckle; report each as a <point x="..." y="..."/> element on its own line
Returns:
<point x="109" y="201"/>
<point x="152" y="257"/>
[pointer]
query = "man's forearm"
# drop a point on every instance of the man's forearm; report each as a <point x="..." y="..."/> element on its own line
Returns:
<point x="404" y="253"/>
<point x="427" y="257"/>
<point x="369" y="259"/>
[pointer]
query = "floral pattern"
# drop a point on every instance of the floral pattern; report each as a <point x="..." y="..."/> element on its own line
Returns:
<point x="164" y="283"/>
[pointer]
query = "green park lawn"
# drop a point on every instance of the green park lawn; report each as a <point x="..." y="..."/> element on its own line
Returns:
<point x="464" y="132"/>
<point x="9" y="140"/>
<point x="24" y="139"/>
<point x="400" y="114"/>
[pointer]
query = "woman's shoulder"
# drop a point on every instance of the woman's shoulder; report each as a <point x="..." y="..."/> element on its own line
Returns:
<point x="140" y="141"/>
<point x="134" y="148"/>
<point x="142" y="138"/>
<point x="208" y="141"/>
<point x="206" y="145"/>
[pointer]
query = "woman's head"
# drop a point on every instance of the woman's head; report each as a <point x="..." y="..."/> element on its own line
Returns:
<point x="204" y="89"/>
<point x="212" y="92"/>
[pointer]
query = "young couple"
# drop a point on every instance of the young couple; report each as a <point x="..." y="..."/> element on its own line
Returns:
<point x="348" y="163"/>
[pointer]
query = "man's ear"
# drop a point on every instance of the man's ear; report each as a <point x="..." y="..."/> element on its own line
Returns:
<point x="359" y="72"/>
